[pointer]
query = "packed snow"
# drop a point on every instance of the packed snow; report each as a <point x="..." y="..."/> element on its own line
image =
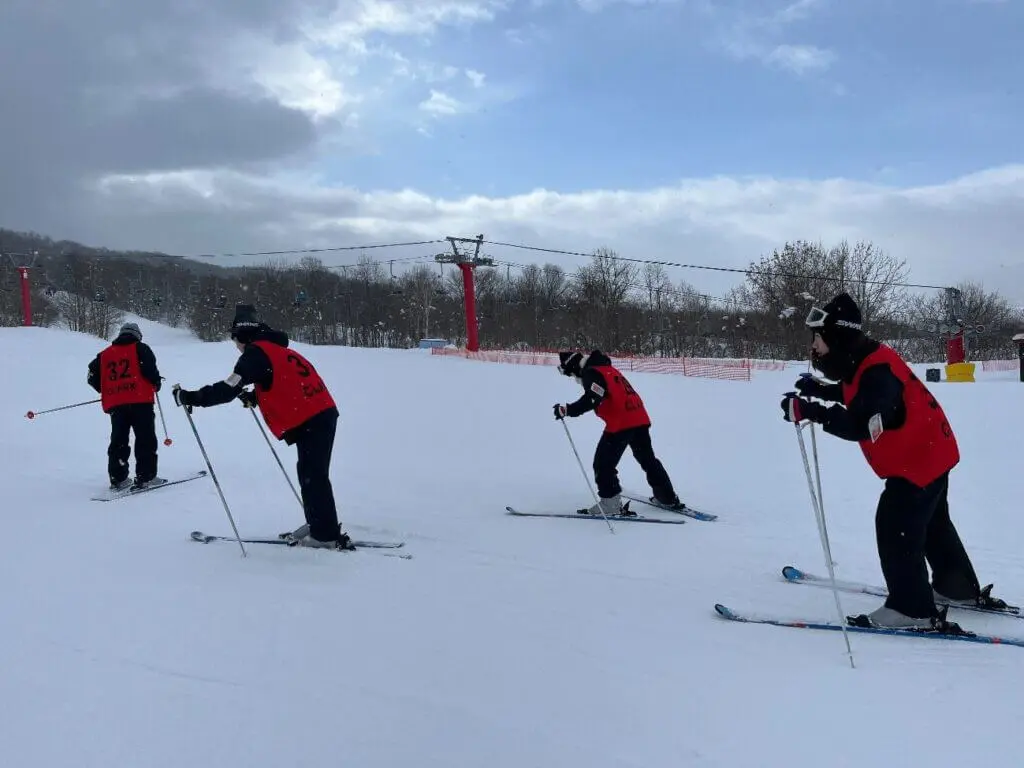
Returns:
<point x="505" y="642"/>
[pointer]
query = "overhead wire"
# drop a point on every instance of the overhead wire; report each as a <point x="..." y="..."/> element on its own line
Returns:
<point x="733" y="270"/>
<point x="300" y="251"/>
<point x="671" y="289"/>
<point x="563" y="252"/>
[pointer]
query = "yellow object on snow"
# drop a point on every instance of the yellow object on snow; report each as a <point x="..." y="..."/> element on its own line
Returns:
<point x="960" y="372"/>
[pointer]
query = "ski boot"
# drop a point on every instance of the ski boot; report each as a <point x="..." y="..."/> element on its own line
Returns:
<point x="672" y="506"/>
<point x="983" y="600"/>
<point x="610" y="507"/>
<point x="300" y="538"/>
<point x="886" y="618"/>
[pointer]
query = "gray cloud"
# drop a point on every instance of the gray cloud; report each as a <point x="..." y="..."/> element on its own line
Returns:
<point x="89" y="87"/>
<point x="197" y="128"/>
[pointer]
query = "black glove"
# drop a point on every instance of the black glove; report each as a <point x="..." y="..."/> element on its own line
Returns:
<point x="559" y="411"/>
<point x="808" y="386"/>
<point x="183" y="398"/>
<point x="249" y="399"/>
<point x="796" y="409"/>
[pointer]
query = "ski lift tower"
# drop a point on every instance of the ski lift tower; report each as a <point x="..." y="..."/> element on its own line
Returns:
<point x="22" y="263"/>
<point x="467" y="264"/>
<point x="958" y="367"/>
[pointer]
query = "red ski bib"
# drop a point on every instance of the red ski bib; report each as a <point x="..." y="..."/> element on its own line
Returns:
<point x="622" y="408"/>
<point x="921" y="450"/>
<point x="297" y="392"/>
<point x="121" y="379"/>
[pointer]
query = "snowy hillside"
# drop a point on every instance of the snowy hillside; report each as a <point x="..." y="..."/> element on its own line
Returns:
<point x="504" y="642"/>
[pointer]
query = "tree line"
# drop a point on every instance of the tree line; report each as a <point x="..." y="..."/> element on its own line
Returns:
<point x="619" y="306"/>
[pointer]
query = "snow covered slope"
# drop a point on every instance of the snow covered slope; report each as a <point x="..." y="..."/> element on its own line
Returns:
<point x="505" y="642"/>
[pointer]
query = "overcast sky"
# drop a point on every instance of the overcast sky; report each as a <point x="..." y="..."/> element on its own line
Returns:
<point x="699" y="131"/>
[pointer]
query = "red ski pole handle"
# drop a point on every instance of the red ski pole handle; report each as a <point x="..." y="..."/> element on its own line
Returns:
<point x="33" y="414"/>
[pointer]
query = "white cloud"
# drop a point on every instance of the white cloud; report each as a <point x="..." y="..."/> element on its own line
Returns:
<point x="441" y="103"/>
<point x="966" y="228"/>
<point x="526" y="35"/>
<point x="353" y="57"/>
<point x="758" y="33"/>
<point x="795" y="11"/>
<point x="290" y="73"/>
<point x="356" y="20"/>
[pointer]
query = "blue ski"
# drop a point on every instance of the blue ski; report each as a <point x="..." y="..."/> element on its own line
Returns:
<point x="683" y="509"/>
<point x="968" y="637"/>
<point x="796" y="576"/>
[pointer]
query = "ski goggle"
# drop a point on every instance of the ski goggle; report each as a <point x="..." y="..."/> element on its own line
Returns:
<point x="816" y="318"/>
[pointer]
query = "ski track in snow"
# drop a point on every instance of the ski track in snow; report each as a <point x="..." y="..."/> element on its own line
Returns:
<point x="506" y="642"/>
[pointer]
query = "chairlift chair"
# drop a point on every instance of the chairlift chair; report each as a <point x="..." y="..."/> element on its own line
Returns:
<point x="395" y="289"/>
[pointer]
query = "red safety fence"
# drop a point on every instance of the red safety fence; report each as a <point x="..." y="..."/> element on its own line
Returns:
<point x="1000" y="365"/>
<point x="705" y="367"/>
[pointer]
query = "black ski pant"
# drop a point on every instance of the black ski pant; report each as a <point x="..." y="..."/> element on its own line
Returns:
<point x="314" y="441"/>
<point x="610" y="449"/>
<point x="914" y="530"/>
<point x="139" y="418"/>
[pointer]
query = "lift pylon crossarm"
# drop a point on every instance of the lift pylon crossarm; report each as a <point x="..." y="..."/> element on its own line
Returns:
<point x="475" y="261"/>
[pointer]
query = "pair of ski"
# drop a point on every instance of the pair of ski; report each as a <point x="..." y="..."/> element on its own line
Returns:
<point x="681" y="509"/>
<point x="283" y="539"/>
<point x="154" y="485"/>
<point x="199" y="536"/>
<point x="796" y="576"/>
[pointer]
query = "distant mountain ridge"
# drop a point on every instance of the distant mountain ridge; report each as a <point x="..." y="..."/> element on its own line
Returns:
<point x="25" y="244"/>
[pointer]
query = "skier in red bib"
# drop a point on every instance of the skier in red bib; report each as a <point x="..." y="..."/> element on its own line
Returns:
<point x="908" y="442"/>
<point x="126" y="376"/>
<point x="627" y="425"/>
<point x="297" y="408"/>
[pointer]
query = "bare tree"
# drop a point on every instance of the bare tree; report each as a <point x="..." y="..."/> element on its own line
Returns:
<point x="782" y="287"/>
<point x="602" y="289"/>
<point x="423" y="291"/>
<point x="873" y="278"/>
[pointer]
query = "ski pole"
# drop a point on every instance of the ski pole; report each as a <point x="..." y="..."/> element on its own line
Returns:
<point x="585" y="476"/>
<point x="817" y="480"/>
<point x="819" y="515"/>
<point x="817" y="466"/>
<point x="213" y="476"/>
<point x="160" y="408"/>
<point x="276" y="458"/>
<point x="33" y="414"/>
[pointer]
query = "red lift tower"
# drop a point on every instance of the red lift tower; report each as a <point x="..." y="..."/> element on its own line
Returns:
<point x="467" y="264"/>
<point x="20" y="261"/>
